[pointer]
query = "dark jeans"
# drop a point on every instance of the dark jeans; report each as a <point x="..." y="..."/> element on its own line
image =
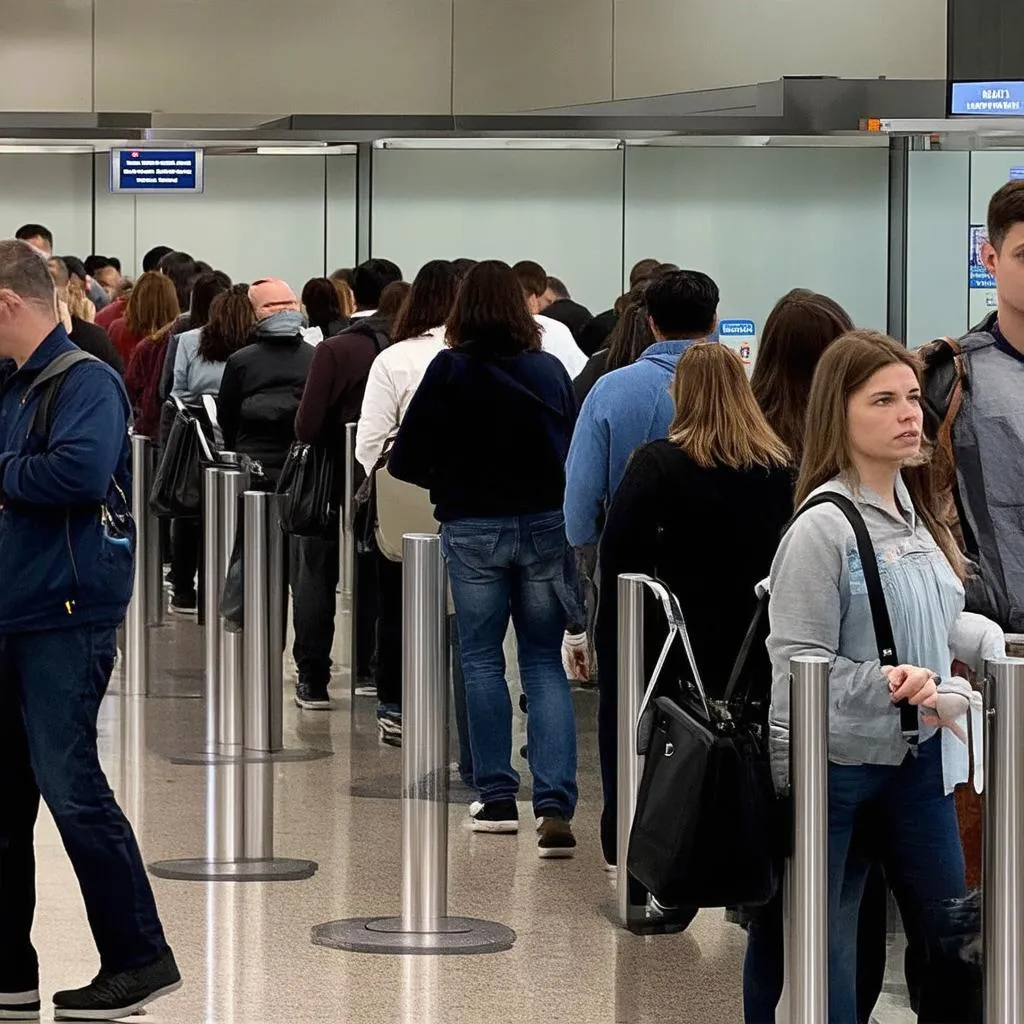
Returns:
<point x="51" y="685"/>
<point x="388" y="650"/>
<point x="459" y="699"/>
<point x="185" y="535"/>
<point x="918" y="841"/>
<point x="515" y="567"/>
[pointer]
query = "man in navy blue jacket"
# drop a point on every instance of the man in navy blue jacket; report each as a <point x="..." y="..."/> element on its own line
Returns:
<point x="66" y="553"/>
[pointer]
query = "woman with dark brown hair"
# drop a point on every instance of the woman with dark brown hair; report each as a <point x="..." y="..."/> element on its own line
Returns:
<point x="865" y="442"/>
<point x="321" y="301"/>
<point x="798" y="330"/>
<point x="487" y="432"/>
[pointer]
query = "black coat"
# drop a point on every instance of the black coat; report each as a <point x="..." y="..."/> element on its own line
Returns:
<point x="94" y="340"/>
<point x="570" y="313"/>
<point x="259" y="397"/>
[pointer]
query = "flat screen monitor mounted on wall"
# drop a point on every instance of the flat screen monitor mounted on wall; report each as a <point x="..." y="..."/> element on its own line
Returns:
<point x="986" y="99"/>
<point x="144" y="171"/>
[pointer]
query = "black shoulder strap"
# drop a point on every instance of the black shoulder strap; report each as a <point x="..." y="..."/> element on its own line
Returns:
<point x="48" y="381"/>
<point x="884" y="639"/>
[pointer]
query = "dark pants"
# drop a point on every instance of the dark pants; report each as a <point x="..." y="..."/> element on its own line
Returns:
<point x="51" y="685"/>
<point x="388" y="657"/>
<point x="459" y="699"/>
<point x="185" y="534"/>
<point x="314" y="575"/>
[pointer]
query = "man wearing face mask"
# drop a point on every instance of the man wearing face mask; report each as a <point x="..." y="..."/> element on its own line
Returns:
<point x="263" y="382"/>
<point x="66" y="561"/>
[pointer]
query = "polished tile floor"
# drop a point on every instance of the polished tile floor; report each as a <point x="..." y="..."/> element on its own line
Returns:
<point x="245" y="950"/>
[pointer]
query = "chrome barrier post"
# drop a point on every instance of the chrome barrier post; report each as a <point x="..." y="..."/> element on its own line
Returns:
<point x="277" y="626"/>
<point x="214" y="567"/>
<point x="631" y="686"/>
<point x="423" y="926"/>
<point x="136" y="638"/>
<point x="1003" y="889"/>
<point x="230" y="719"/>
<point x="348" y="547"/>
<point x="808" y="889"/>
<point x="257" y="621"/>
<point x="154" y="561"/>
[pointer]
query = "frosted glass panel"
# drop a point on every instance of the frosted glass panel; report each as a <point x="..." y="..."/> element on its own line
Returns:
<point x="937" y="246"/>
<point x="260" y="216"/>
<point x="562" y="209"/>
<point x="763" y="221"/>
<point x="52" y="189"/>
<point x="341" y="212"/>
<point x="990" y="170"/>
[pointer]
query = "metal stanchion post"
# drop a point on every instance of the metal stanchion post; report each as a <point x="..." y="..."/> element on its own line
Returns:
<point x="230" y="719"/>
<point x="257" y="620"/>
<point x="630" y="767"/>
<point x="277" y="612"/>
<point x="808" y="880"/>
<point x="154" y="562"/>
<point x="348" y="547"/>
<point x="1003" y="890"/>
<point x="214" y="563"/>
<point x="424" y="926"/>
<point x="136" y="639"/>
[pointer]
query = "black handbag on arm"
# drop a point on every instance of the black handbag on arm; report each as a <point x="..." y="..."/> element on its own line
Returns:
<point x="177" y="485"/>
<point x="306" y="484"/>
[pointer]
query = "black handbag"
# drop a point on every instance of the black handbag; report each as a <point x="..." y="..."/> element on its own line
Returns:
<point x="708" y="830"/>
<point x="306" y="484"/>
<point x="177" y="485"/>
<point x="704" y="830"/>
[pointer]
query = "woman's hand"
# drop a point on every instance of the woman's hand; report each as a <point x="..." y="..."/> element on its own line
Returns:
<point x="910" y="683"/>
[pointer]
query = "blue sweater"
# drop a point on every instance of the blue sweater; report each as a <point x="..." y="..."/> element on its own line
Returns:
<point x="625" y="409"/>
<point x="488" y="435"/>
<point x="60" y="568"/>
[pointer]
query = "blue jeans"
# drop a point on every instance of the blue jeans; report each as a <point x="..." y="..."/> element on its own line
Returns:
<point x="51" y="685"/>
<point x="918" y="843"/>
<point x="514" y="567"/>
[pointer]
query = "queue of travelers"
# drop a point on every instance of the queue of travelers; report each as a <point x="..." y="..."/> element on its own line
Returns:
<point x="554" y="450"/>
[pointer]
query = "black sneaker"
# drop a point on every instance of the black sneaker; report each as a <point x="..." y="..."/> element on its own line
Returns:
<point x="311" y="697"/>
<point x="501" y="816"/>
<point x="20" y="1005"/>
<point x="112" y="996"/>
<point x="184" y="604"/>
<point x="554" y="837"/>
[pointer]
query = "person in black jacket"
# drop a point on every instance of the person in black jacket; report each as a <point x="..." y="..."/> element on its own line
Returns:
<point x="703" y="512"/>
<point x="263" y="382"/>
<point x="561" y="307"/>
<point x="488" y="431"/>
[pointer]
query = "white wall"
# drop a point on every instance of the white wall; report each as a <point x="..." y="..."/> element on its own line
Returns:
<point x="938" y="217"/>
<point x="260" y="216"/>
<point x="560" y="208"/>
<point x="762" y="221"/>
<point x="53" y="189"/>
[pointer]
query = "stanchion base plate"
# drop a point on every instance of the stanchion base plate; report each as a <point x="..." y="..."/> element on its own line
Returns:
<point x="198" y="869"/>
<point x="292" y="754"/>
<point x="456" y="936"/>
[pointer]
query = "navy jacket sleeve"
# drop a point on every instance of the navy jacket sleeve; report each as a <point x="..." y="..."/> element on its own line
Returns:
<point x="629" y="541"/>
<point x="421" y="437"/>
<point x="87" y="435"/>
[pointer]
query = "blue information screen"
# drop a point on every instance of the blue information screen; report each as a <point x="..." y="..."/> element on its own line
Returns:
<point x="156" y="170"/>
<point x="987" y="99"/>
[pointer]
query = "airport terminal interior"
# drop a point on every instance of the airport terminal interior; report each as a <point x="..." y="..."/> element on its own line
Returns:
<point x="854" y="157"/>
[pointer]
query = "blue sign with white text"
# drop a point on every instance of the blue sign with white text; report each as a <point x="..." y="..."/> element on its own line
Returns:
<point x="1017" y="174"/>
<point x="156" y="170"/>
<point x="736" y="329"/>
<point x="988" y="99"/>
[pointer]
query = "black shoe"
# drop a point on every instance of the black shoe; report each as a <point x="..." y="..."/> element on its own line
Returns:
<point x="112" y="996"/>
<point x="22" y="1005"/>
<point x="184" y="604"/>
<point x="501" y="816"/>
<point x="389" y="726"/>
<point x="554" y="837"/>
<point x="311" y="697"/>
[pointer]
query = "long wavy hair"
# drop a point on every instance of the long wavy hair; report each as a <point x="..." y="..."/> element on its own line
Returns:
<point x="153" y="304"/>
<point x="847" y="365"/>
<point x="231" y="322"/>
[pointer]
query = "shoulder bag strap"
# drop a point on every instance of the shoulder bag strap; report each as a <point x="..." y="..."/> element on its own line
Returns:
<point x="47" y="381"/>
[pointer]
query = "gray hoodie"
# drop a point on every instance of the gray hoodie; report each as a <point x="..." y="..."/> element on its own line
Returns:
<point x="819" y="606"/>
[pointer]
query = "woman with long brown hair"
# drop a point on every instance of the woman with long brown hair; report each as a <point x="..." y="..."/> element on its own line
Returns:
<point x="152" y="306"/>
<point x="865" y="442"/>
<point x="798" y="330"/>
<point x="702" y="511"/>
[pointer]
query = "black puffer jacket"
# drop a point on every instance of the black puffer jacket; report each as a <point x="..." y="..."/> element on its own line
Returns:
<point x="259" y="397"/>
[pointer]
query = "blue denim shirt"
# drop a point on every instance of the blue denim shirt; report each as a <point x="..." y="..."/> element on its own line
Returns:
<point x="819" y="606"/>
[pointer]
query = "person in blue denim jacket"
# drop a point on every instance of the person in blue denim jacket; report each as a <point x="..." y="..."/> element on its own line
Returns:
<point x="66" y="562"/>
<point x="865" y="441"/>
<point x="487" y="432"/>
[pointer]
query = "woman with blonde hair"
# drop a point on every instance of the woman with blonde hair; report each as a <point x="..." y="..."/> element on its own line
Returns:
<point x="865" y="442"/>
<point x="702" y="511"/>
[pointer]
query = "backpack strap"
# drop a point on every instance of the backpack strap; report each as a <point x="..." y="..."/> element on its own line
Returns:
<point x="47" y="383"/>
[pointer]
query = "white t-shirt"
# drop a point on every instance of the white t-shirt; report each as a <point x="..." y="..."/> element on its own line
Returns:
<point x="557" y="339"/>
<point x="394" y="377"/>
